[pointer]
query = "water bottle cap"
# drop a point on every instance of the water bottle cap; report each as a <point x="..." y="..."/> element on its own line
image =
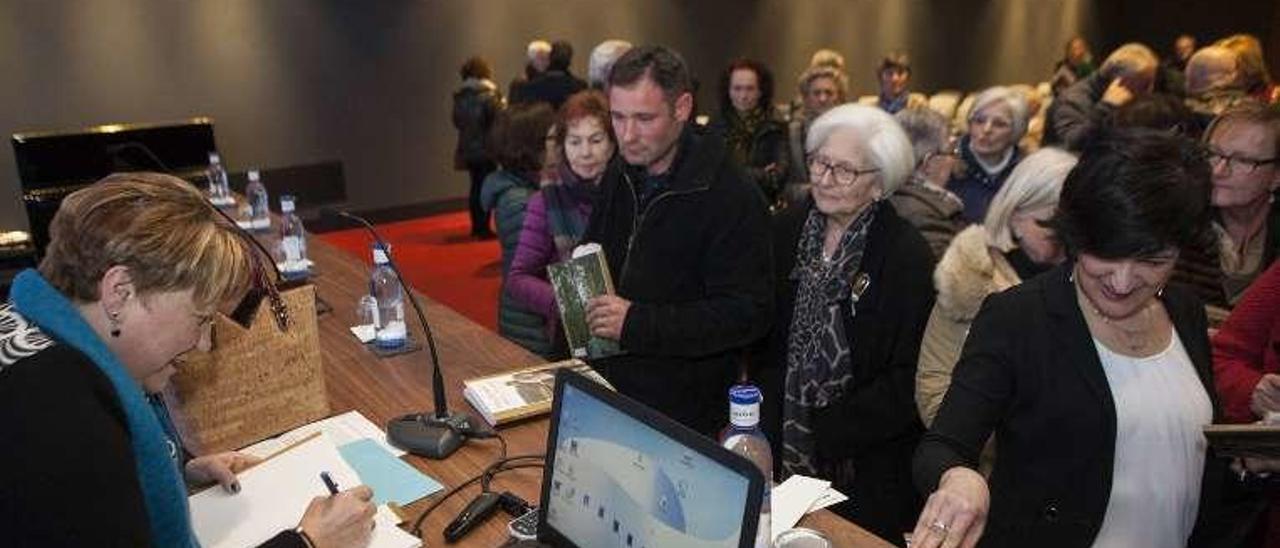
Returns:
<point x="745" y="394"/>
<point x="214" y="158"/>
<point x="286" y="203"/>
<point x="253" y="175"/>
<point x="380" y="255"/>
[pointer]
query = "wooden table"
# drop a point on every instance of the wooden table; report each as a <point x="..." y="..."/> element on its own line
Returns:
<point x="382" y="389"/>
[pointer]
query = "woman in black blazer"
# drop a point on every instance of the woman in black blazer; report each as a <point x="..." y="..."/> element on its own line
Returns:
<point x="853" y="296"/>
<point x="1095" y="377"/>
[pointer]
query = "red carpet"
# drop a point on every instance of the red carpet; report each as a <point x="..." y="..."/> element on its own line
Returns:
<point x="439" y="258"/>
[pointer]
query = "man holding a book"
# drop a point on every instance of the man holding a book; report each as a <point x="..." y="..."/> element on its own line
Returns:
<point x="685" y="234"/>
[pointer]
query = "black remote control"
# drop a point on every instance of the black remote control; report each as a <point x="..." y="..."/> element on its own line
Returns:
<point x="525" y="527"/>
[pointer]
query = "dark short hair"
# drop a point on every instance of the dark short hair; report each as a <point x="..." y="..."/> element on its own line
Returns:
<point x="1135" y="193"/>
<point x="587" y="103"/>
<point x="895" y="60"/>
<point x="561" y="55"/>
<point x="517" y="140"/>
<point x="475" y="67"/>
<point x="1158" y="111"/>
<point x="764" y="79"/>
<point x="662" y="65"/>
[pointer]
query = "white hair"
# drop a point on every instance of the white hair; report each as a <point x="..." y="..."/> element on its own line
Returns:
<point x="537" y="47"/>
<point x="1011" y="98"/>
<point x="1033" y="184"/>
<point x="927" y="129"/>
<point x="887" y="146"/>
<point x="602" y="59"/>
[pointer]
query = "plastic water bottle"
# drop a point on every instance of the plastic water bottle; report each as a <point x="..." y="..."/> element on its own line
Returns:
<point x="389" y="328"/>
<point x="219" y="189"/>
<point x="293" y="242"/>
<point x="256" y="194"/>
<point x="744" y="437"/>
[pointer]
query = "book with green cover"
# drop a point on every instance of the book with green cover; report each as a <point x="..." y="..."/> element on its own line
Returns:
<point x="576" y="281"/>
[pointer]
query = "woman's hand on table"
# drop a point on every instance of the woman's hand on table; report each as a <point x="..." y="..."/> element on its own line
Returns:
<point x="956" y="513"/>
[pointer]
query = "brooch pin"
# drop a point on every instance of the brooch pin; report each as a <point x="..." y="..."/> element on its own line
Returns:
<point x="860" y="284"/>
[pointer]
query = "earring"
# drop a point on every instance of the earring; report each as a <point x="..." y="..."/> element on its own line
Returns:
<point x="114" y="317"/>
<point x="1160" y="292"/>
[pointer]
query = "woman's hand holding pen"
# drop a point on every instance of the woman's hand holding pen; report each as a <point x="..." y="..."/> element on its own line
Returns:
<point x="341" y="519"/>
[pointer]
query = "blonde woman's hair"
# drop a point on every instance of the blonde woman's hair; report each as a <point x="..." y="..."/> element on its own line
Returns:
<point x="1034" y="183"/>
<point x="160" y="227"/>
<point x="1253" y="67"/>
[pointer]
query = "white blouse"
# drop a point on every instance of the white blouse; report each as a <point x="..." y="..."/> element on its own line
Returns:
<point x="1161" y="407"/>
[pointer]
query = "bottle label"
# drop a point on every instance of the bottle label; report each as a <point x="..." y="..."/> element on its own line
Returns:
<point x="379" y="256"/>
<point x="744" y="416"/>
<point x="292" y="246"/>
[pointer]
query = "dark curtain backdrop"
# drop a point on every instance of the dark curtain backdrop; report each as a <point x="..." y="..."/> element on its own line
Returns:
<point x="369" y="83"/>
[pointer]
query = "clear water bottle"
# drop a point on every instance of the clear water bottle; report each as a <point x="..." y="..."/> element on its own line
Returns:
<point x="744" y="437"/>
<point x="256" y="193"/>
<point x="219" y="189"/>
<point x="389" y="328"/>
<point x="293" y="242"/>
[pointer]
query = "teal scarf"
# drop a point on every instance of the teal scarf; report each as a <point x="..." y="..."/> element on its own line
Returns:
<point x="161" y="481"/>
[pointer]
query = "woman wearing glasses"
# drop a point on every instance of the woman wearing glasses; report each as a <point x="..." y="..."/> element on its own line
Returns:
<point x="997" y="121"/>
<point x="1244" y="148"/>
<point x="853" y="295"/>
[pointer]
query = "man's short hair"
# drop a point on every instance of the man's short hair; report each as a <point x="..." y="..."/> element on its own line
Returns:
<point x="602" y="59"/>
<point x="662" y="65"/>
<point x="561" y="55"/>
<point x="895" y="60"/>
<point x="1129" y="59"/>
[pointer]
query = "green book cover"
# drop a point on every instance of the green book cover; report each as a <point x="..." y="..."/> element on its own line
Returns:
<point x="576" y="281"/>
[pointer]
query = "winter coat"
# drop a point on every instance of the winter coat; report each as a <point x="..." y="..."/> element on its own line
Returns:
<point x="1200" y="268"/>
<point x="768" y="147"/>
<point x="552" y="87"/>
<point x="935" y="211"/>
<point x="874" y="425"/>
<point x="475" y="106"/>
<point x="974" y="186"/>
<point x="527" y="282"/>
<point x="695" y="264"/>
<point x="507" y="195"/>
<point x="968" y="272"/>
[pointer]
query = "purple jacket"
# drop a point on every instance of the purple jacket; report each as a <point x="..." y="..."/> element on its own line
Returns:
<point x="527" y="281"/>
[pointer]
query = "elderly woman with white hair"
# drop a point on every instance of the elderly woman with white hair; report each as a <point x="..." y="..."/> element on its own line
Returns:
<point x="853" y="296"/>
<point x="1012" y="245"/>
<point x="601" y="61"/>
<point x="989" y="151"/>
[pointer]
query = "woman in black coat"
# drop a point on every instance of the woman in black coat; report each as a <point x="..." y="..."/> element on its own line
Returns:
<point x="1095" y="377"/>
<point x="853" y="297"/>
<point x="756" y="138"/>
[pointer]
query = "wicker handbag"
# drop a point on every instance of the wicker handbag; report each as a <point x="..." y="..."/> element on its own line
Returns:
<point x="263" y="375"/>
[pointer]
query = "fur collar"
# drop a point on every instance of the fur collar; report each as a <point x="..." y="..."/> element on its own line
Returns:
<point x="967" y="273"/>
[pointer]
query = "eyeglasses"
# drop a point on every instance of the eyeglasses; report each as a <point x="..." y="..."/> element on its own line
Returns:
<point x="1230" y="163"/>
<point x="844" y="174"/>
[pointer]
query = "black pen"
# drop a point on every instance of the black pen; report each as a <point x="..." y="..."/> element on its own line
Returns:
<point x="328" y="482"/>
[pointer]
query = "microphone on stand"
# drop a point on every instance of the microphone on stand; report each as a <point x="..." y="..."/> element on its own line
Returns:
<point x="437" y="434"/>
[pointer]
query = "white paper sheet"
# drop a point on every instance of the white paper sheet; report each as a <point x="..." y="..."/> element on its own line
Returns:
<point x="341" y="429"/>
<point x="829" y="497"/>
<point x="791" y="499"/>
<point x="273" y="496"/>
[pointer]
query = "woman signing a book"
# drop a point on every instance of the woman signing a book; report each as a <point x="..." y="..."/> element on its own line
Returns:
<point x="137" y="266"/>
<point x="558" y="214"/>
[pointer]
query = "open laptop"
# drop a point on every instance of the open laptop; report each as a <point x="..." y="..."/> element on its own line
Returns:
<point x="621" y="474"/>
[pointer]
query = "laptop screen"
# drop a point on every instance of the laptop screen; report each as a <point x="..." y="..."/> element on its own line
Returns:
<point x="615" y="480"/>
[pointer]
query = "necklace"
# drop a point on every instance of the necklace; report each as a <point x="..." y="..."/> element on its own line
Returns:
<point x="1136" y="340"/>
